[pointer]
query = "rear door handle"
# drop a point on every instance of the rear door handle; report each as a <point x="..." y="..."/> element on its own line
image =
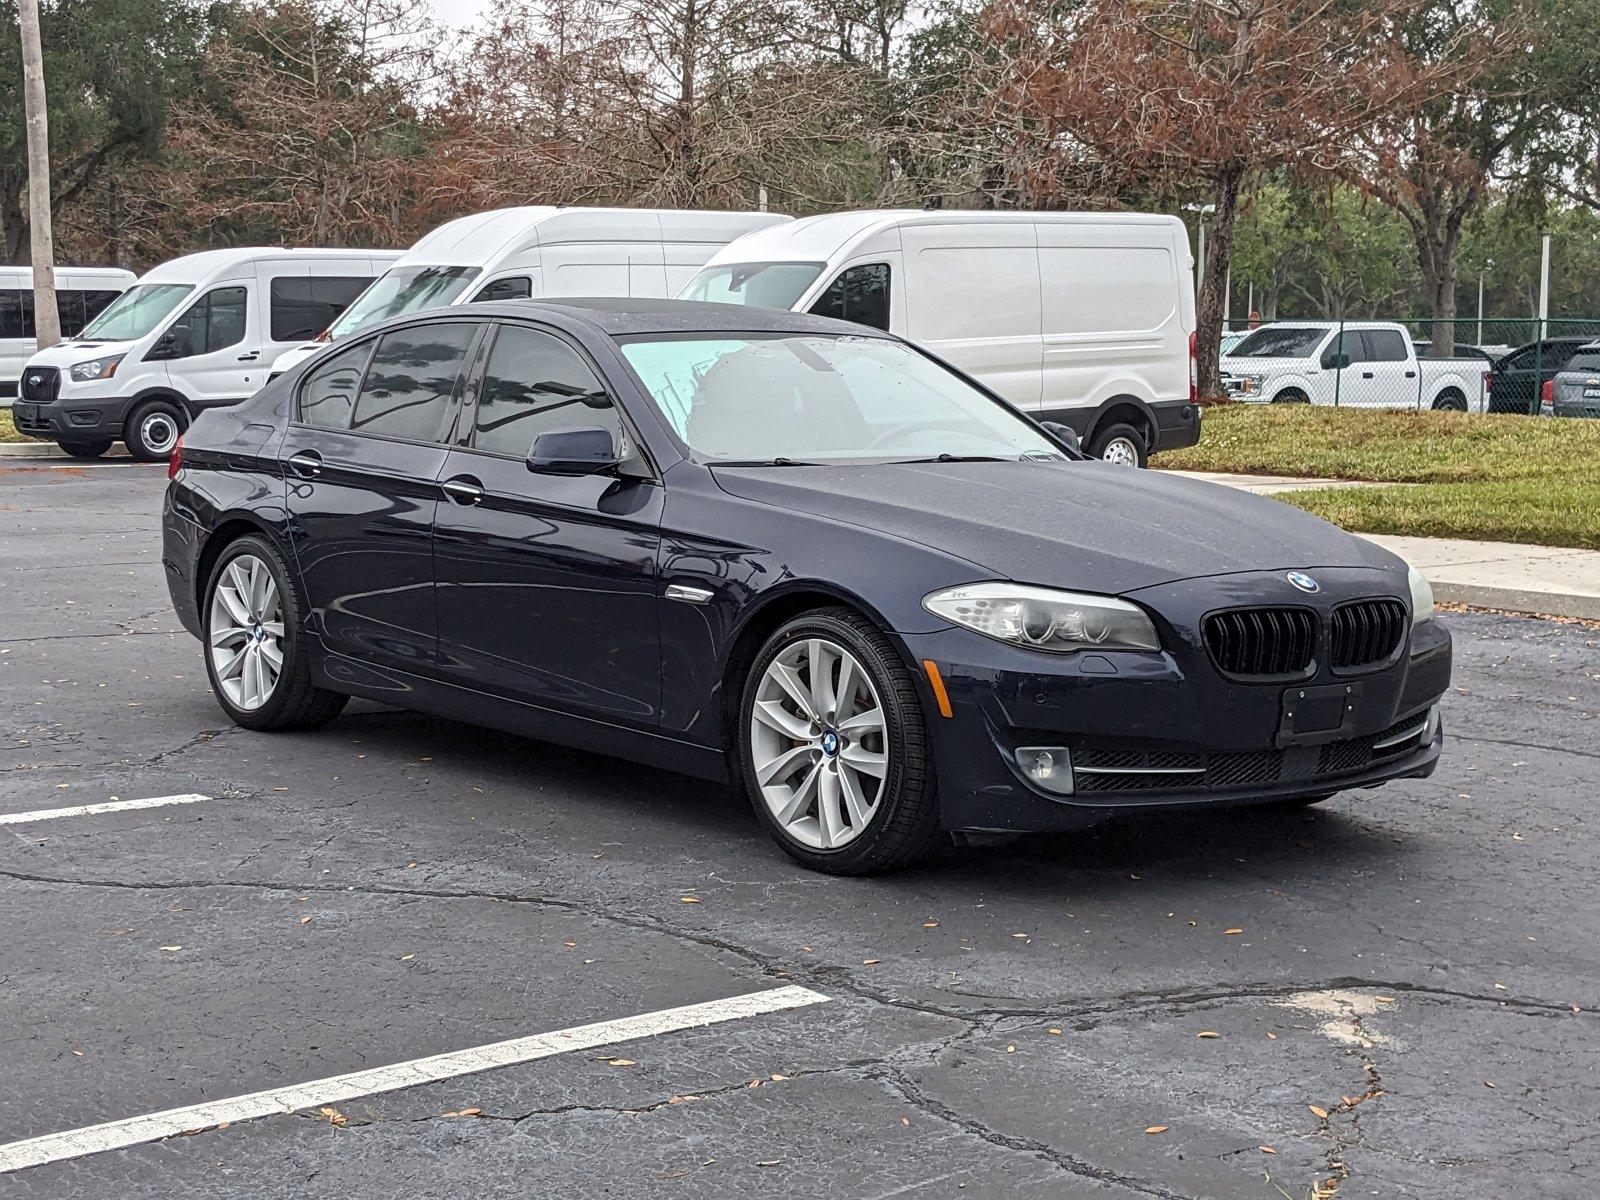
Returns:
<point x="1366" y="374"/>
<point x="307" y="464"/>
<point x="463" y="489"/>
<point x="251" y="357"/>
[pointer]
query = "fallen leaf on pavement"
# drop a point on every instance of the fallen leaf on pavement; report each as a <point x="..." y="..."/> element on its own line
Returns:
<point x="1232" y="931"/>
<point x="870" y="962"/>
<point x="305" y="920"/>
<point x="1320" y="1113"/>
<point x="1266" y="1149"/>
<point x="688" y="899"/>
<point x="1208" y="1033"/>
<point x="1155" y="1129"/>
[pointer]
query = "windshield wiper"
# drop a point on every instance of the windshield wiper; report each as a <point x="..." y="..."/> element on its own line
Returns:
<point x="780" y="461"/>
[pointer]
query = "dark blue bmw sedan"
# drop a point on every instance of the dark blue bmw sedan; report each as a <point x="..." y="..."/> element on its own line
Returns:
<point x="793" y="554"/>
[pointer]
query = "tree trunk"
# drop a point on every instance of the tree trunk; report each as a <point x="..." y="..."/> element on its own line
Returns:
<point x="46" y="317"/>
<point x="1210" y="301"/>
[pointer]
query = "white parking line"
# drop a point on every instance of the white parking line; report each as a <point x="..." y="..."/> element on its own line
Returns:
<point x="117" y="1135"/>
<point x="87" y="810"/>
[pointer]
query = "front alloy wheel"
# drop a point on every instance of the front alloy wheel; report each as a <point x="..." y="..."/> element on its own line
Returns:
<point x="246" y="642"/>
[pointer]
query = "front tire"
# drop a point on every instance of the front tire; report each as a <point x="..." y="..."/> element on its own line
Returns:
<point x="833" y="749"/>
<point x="153" y="429"/>
<point x="1121" y="445"/>
<point x="90" y="449"/>
<point x="255" y="642"/>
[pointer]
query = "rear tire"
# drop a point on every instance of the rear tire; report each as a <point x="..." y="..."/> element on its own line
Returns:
<point x="93" y="449"/>
<point x="875" y="720"/>
<point x="259" y="616"/>
<point x="1450" y="400"/>
<point x="1291" y="396"/>
<point x="1121" y="445"/>
<point x="153" y="429"/>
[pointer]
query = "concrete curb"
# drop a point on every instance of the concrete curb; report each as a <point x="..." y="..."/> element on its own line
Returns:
<point x="31" y="450"/>
<point x="1531" y="603"/>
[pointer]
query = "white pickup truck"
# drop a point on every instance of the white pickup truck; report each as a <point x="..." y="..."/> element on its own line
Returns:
<point x="1370" y="364"/>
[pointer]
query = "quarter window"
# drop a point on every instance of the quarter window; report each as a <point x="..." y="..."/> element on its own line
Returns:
<point x="215" y="321"/>
<point x="413" y="374"/>
<point x="516" y="287"/>
<point x="328" y="396"/>
<point x="303" y="306"/>
<point x="860" y="294"/>
<point x="535" y="383"/>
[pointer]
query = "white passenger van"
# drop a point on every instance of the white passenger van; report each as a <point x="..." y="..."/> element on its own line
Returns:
<point x="1086" y="319"/>
<point x="194" y="333"/>
<point x="81" y="292"/>
<point x="544" y="250"/>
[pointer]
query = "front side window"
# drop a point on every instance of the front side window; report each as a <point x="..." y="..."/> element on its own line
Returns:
<point x="535" y="383"/>
<point x="328" y="395"/>
<point x="409" y="382"/>
<point x="402" y="290"/>
<point x="136" y="312"/>
<point x="514" y="287"/>
<point x="1280" y="341"/>
<point x="860" y="294"/>
<point x="302" y="306"/>
<point x="215" y="321"/>
<point x="1385" y="345"/>
<point x="755" y="399"/>
<point x="762" y="285"/>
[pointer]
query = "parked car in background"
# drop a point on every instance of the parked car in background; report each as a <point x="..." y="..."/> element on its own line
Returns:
<point x="1490" y="354"/>
<point x="1574" y="391"/>
<point x="537" y="251"/>
<point x="1363" y="364"/>
<point x="1231" y="339"/>
<point x="1086" y="319"/>
<point x="788" y="553"/>
<point x="1515" y="383"/>
<point x="198" y="332"/>
<point x="81" y="292"/>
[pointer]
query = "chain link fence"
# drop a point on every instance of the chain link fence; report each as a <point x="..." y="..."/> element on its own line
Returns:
<point x="1500" y="365"/>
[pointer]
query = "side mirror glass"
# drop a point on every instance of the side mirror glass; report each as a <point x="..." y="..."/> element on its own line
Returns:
<point x="1066" y="435"/>
<point x="574" y="452"/>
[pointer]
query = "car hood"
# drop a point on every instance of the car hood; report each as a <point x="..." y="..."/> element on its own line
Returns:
<point x="66" y="354"/>
<point x="1086" y="525"/>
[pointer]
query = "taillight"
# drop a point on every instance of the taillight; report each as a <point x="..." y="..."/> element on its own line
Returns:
<point x="175" y="463"/>
<point x="1547" y="392"/>
<point x="1194" y="368"/>
<point x="1488" y="381"/>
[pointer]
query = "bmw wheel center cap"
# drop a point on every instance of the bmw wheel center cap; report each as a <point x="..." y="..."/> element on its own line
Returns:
<point x="830" y="743"/>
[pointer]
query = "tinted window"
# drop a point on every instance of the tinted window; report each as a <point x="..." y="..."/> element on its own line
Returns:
<point x="410" y="380"/>
<point x="327" y="397"/>
<point x="304" y="306"/>
<point x="518" y="287"/>
<point x="1522" y="360"/>
<point x="16" y="313"/>
<point x="215" y="321"/>
<point x="1280" y="342"/>
<point x="76" y="308"/>
<point x="1385" y="345"/>
<point x="1347" y="343"/>
<point x="860" y="294"/>
<point x="1584" y="360"/>
<point x="534" y="384"/>
<point x="1556" y="355"/>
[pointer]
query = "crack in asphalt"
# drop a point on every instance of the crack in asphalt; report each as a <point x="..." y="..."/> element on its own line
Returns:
<point x="1462" y="737"/>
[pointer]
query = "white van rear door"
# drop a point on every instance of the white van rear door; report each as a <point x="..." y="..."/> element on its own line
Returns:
<point x="971" y="296"/>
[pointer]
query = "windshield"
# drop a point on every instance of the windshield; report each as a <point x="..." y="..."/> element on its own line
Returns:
<point x="402" y="290"/>
<point x="763" y="285"/>
<point x="1282" y="341"/>
<point x="783" y="399"/>
<point x="136" y="312"/>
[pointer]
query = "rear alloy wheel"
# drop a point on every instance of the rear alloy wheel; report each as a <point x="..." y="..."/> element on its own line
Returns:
<point x="833" y="751"/>
<point x="1120" y="445"/>
<point x="92" y="449"/>
<point x="255" y="645"/>
<point x="153" y="430"/>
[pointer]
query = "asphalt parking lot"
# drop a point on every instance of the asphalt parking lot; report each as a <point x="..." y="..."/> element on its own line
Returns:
<point x="1392" y="996"/>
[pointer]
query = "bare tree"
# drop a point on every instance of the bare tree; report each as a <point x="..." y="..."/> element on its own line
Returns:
<point x="46" y="317"/>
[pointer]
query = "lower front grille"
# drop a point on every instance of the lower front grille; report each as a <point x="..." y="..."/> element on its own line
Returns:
<point x="40" y="385"/>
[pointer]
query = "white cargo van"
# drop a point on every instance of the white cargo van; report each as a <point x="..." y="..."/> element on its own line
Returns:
<point x="1082" y="318"/>
<point x="539" y="251"/>
<point x="194" y="333"/>
<point x="81" y="292"/>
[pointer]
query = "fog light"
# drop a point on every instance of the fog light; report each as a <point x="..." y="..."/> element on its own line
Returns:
<point x="1047" y="767"/>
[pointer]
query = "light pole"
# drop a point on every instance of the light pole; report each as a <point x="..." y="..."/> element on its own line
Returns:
<point x="1203" y="210"/>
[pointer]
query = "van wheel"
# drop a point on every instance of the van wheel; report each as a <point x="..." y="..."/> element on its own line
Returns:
<point x="152" y="430"/>
<point x="1450" y="400"/>
<point x="833" y="750"/>
<point x="92" y="449"/>
<point x="1121" y="445"/>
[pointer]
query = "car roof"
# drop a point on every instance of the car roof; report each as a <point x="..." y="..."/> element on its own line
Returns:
<point x="627" y="316"/>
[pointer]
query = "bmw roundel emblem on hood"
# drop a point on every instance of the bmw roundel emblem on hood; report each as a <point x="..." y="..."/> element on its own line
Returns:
<point x="1304" y="582"/>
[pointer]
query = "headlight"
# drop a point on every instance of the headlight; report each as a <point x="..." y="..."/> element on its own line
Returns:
<point x="97" y="368"/>
<point x="1421" y="596"/>
<point x="1045" y="619"/>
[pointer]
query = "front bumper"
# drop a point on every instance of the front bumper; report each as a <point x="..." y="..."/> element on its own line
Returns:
<point x="67" y="419"/>
<point x="1159" y="731"/>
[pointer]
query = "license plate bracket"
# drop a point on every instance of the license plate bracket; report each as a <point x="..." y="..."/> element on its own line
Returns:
<point x="1314" y="716"/>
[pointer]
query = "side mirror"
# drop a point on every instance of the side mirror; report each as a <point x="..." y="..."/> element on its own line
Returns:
<point x="574" y="452"/>
<point x="177" y="342"/>
<point x="1064" y="434"/>
<point x="1335" y="362"/>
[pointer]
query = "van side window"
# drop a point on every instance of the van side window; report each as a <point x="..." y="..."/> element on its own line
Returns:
<point x="328" y="394"/>
<point x="16" y="313"/>
<point x="1385" y="345"/>
<point x="860" y="294"/>
<point x="215" y="321"/>
<point x="515" y="287"/>
<point x="301" y="306"/>
<point x="535" y="383"/>
<point x="413" y="374"/>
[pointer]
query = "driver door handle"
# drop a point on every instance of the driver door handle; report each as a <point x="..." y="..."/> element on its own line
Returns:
<point x="463" y="489"/>
<point x="307" y="464"/>
<point x="251" y="357"/>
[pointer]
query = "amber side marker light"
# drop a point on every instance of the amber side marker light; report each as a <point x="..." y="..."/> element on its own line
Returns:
<point x="936" y="681"/>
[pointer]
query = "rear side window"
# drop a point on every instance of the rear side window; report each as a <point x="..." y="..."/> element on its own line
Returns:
<point x="1585" y="360"/>
<point x="1385" y="345"/>
<point x="16" y="313"/>
<point x="860" y="294"/>
<point x="301" y="307"/>
<point x="517" y="287"/>
<point x="77" y="308"/>
<point x="535" y="383"/>
<point x="1556" y="355"/>
<point x="216" y="320"/>
<point x="408" y="385"/>
<point x="328" y="395"/>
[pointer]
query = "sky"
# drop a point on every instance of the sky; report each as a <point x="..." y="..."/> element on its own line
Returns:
<point x="457" y="14"/>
